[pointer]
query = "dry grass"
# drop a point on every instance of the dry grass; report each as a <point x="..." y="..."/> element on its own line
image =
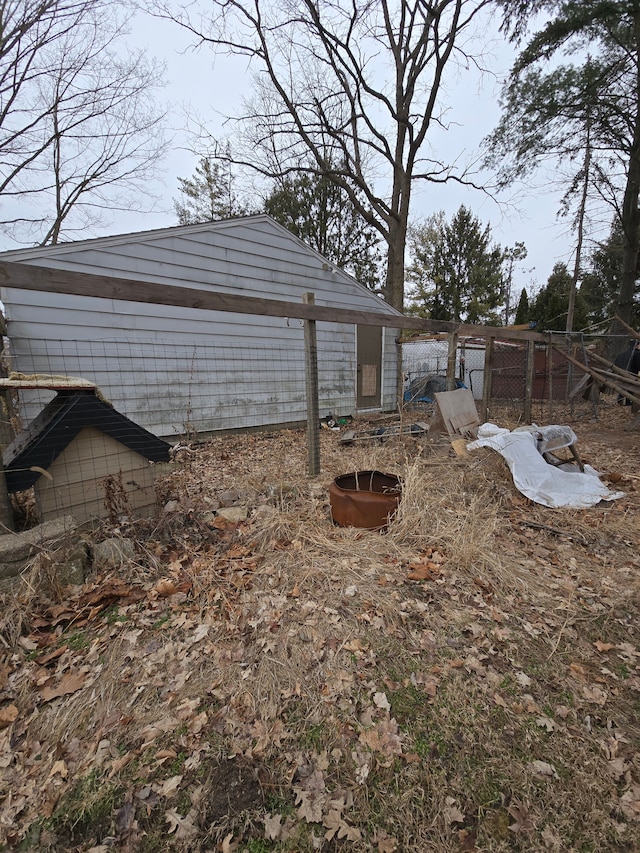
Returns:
<point x="285" y="684"/>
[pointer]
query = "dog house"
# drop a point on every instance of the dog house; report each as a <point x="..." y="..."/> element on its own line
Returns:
<point x="84" y="458"/>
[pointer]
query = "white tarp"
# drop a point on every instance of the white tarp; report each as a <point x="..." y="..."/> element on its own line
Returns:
<point x="543" y="483"/>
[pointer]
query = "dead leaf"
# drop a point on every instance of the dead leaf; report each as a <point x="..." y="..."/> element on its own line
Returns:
<point x="8" y="715"/>
<point x="169" y="787"/>
<point x="384" y="738"/>
<point x="380" y="699"/>
<point x="336" y="825"/>
<point x="355" y="646"/>
<point x="603" y="647"/>
<point x="198" y="723"/>
<point x="272" y="827"/>
<point x="630" y="803"/>
<point x="452" y="813"/>
<point x="165" y="587"/>
<point x="472" y="664"/>
<point x="183" y="827"/>
<point x="546" y="723"/>
<point x="119" y="763"/>
<point x="43" y="660"/>
<point x="594" y="694"/>
<point x="543" y="768"/>
<point x="228" y="845"/>
<point x="69" y="683"/>
<point x="427" y="682"/>
<point x="520" y="814"/>
<point x="386" y="843"/>
<point x="578" y="671"/>
<point x="423" y="571"/>
<point x="310" y="806"/>
<point x="627" y="649"/>
<point x="59" y="769"/>
<point x="618" y="767"/>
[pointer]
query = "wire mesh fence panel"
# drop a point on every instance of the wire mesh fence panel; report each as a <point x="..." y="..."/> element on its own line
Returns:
<point x="178" y="389"/>
<point x="88" y="450"/>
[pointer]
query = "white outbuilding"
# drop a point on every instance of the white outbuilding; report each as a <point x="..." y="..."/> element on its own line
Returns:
<point x="176" y="370"/>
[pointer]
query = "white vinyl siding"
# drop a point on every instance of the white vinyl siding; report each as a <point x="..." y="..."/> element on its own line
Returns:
<point x="164" y="366"/>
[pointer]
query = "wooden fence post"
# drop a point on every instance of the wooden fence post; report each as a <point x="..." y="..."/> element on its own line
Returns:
<point x="6" y="512"/>
<point x="313" y="405"/>
<point x="528" y="388"/>
<point x="486" y="378"/>
<point x="451" y="361"/>
<point x="549" y="354"/>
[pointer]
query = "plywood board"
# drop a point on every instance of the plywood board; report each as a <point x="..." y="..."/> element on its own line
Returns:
<point x="455" y="414"/>
<point x="76" y="480"/>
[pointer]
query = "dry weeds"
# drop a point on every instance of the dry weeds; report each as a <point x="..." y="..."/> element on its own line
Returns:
<point x="468" y="680"/>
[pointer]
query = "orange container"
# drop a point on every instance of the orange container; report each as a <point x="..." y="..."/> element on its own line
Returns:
<point x="364" y="499"/>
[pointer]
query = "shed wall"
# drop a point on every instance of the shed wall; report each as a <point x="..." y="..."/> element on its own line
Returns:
<point x="163" y="366"/>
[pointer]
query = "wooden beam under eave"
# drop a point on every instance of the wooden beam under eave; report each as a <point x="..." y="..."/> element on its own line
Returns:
<point x="49" y="280"/>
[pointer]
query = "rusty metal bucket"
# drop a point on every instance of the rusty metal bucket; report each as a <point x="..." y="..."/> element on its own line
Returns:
<point x="364" y="499"/>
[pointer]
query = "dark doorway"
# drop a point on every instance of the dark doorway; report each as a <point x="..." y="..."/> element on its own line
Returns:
<point x="369" y="359"/>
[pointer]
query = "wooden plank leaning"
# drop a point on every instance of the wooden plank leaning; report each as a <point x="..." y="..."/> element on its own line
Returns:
<point x="603" y="378"/>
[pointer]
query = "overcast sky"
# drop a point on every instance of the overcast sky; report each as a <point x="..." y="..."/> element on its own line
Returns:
<point x="198" y="83"/>
<point x="213" y="87"/>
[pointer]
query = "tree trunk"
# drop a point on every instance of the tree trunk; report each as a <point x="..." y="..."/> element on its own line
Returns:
<point x="394" y="283"/>
<point x="630" y="225"/>
<point x="581" y="218"/>
<point x="630" y="216"/>
<point x="397" y="238"/>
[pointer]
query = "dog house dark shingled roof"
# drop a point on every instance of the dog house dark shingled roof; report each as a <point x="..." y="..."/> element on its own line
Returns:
<point x="59" y="423"/>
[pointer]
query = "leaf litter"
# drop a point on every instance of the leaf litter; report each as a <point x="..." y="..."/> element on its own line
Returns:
<point x="465" y="681"/>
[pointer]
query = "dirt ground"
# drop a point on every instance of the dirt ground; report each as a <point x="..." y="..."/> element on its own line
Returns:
<point x="267" y="681"/>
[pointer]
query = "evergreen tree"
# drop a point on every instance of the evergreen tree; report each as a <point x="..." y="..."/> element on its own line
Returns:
<point x="207" y="196"/>
<point x="522" y="311"/>
<point x="549" y="308"/>
<point x="511" y="256"/>
<point x="601" y="284"/>
<point x="321" y="214"/>
<point x="584" y="111"/>
<point x="457" y="274"/>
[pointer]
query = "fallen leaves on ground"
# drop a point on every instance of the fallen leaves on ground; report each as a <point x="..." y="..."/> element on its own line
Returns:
<point x="287" y="681"/>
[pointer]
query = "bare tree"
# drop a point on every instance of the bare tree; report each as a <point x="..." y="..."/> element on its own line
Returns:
<point x="79" y="131"/>
<point x="358" y="79"/>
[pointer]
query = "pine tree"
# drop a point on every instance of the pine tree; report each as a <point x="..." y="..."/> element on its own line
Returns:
<point x="573" y="97"/>
<point x="208" y="195"/>
<point x="457" y="273"/>
<point x="549" y="308"/>
<point x="522" y="311"/>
